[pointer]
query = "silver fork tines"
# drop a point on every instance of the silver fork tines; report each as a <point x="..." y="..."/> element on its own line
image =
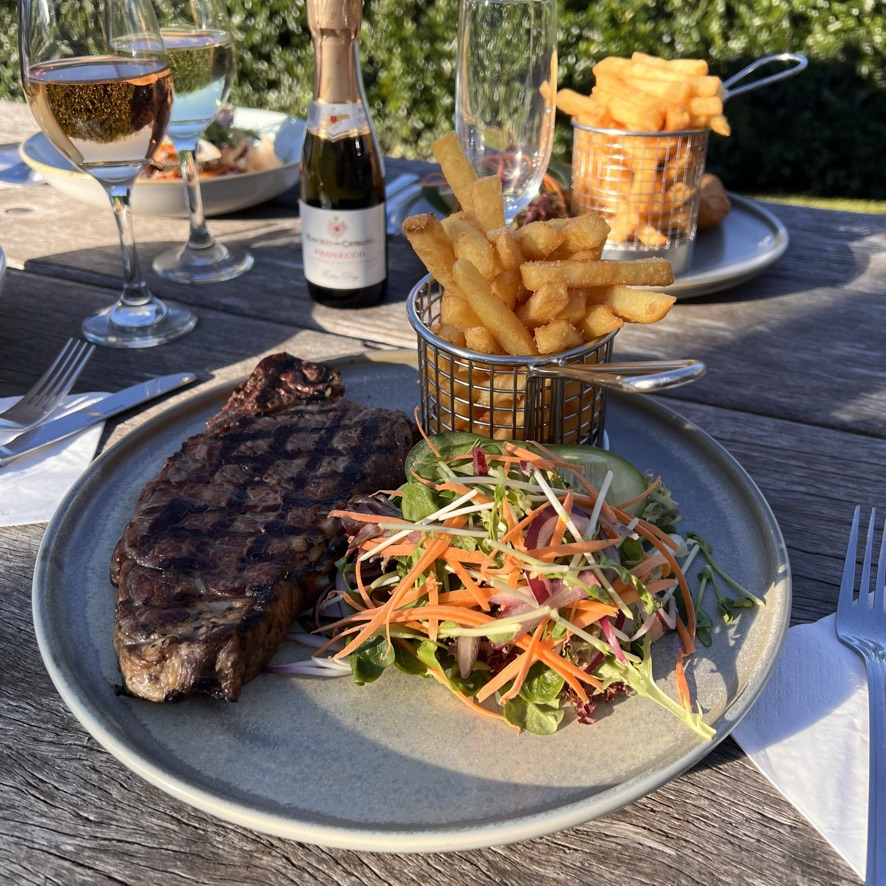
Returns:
<point x="861" y="625"/>
<point x="50" y="388"/>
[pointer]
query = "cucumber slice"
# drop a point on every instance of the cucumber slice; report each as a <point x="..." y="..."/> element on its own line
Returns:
<point x="627" y="481"/>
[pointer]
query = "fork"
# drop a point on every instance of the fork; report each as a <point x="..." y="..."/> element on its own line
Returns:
<point x="50" y="389"/>
<point x="862" y="627"/>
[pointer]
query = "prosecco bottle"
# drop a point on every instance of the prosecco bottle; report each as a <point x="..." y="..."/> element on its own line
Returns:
<point x="342" y="202"/>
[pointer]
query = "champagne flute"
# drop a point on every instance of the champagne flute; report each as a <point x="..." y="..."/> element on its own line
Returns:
<point x="97" y="80"/>
<point x="505" y="91"/>
<point x="201" y="56"/>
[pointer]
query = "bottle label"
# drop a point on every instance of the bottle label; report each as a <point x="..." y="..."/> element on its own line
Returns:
<point x="335" y="121"/>
<point x="343" y="249"/>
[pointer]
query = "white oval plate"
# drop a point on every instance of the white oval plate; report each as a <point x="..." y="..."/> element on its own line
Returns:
<point x="221" y="194"/>
<point x="400" y="765"/>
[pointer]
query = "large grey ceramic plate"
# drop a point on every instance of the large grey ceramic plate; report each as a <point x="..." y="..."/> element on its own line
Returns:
<point x="221" y="194"/>
<point x="400" y="765"/>
<point x="748" y="241"/>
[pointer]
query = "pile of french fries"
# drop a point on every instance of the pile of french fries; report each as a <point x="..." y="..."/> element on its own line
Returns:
<point x="648" y="94"/>
<point x="541" y="289"/>
<point x="646" y="186"/>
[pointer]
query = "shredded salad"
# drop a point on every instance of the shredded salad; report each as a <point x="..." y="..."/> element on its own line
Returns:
<point x="520" y="578"/>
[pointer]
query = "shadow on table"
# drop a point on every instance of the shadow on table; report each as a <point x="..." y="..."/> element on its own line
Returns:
<point x="793" y="334"/>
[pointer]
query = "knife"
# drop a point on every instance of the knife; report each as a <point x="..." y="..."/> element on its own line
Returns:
<point x="65" y="425"/>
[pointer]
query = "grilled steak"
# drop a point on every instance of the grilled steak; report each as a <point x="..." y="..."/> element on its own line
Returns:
<point x="232" y="538"/>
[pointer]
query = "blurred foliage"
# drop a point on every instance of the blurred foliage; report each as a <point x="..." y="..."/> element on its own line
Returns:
<point x="819" y="134"/>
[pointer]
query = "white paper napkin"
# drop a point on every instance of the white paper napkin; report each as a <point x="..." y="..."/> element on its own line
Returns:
<point x="808" y="734"/>
<point x="32" y="487"/>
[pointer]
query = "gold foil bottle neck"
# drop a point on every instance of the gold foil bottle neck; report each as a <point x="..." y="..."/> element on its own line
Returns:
<point x="335" y="15"/>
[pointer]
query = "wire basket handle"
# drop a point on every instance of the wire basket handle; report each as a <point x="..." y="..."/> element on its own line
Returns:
<point x="800" y="63"/>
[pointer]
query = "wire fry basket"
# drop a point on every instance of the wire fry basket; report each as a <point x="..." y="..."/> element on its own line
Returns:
<point x="500" y="396"/>
<point x="645" y="184"/>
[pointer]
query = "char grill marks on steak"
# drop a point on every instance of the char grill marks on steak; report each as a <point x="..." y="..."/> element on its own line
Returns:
<point x="232" y="538"/>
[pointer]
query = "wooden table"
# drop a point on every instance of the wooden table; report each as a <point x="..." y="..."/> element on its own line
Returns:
<point x="796" y="390"/>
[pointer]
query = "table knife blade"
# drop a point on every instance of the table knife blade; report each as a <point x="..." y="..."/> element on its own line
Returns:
<point x="65" y="425"/>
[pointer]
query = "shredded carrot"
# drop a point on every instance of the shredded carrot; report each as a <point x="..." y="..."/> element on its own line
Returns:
<point x="648" y="565"/>
<point x="432" y="588"/>
<point x="471" y="587"/>
<point x="460" y="597"/>
<point x="552" y="552"/>
<point x="463" y="555"/>
<point x="433" y="550"/>
<point x="394" y="550"/>
<point x="527" y="660"/>
<point x="359" y="517"/>
<point x="421" y="431"/>
<point x="623" y="506"/>
<point x="682" y="685"/>
<point x="662" y="547"/>
<point x="560" y="527"/>
<point x="587" y="612"/>
<point x="508" y="672"/>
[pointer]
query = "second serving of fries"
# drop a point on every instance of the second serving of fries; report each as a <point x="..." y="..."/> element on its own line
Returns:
<point x="640" y="143"/>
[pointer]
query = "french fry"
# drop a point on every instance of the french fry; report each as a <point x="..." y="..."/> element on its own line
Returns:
<point x="705" y="107"/>
<point x="720" y="125"/>
<point x="481" y="339"/>
<point x="544" y="304"/>
<point x="488" y="203"/>
<point x="633" y="116"/>
<point x="427" y="237"/>
<point x="581" y="275"/>
<point x="575" y="308"/>
<point x="557" y="336"/>
<point x="651" y="236"/>
<point x="692" y="66"/>
<point x="508" y="286"/>
<point x="599" y="321"/>
<point x="506" y="247"/>
<point x="632" y="305"/>
<point x="457" y="169"/>
<point x="538" y="240"/>
<point x="471" y="244"/>
<point x="583" y="233"/>
<point x="574" y="103"/>
<point x="449" y="333"/>
<point x="511" y="334"/>
<point x="455" y="311"/>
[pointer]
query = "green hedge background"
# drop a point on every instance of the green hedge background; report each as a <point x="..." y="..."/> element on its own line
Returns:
<point x="822" y="133"/>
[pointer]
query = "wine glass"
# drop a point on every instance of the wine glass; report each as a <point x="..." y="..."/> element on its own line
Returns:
<point x="505" y="92"/>
<point x="201" y="56"/>
<point x="97" y="80"/>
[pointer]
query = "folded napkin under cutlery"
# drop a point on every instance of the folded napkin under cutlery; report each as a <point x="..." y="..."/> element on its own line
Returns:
<point x="808" y="734"/>
<point x="32" y="487"/>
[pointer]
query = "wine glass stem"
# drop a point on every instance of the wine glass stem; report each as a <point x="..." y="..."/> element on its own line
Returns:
<point x="199" y="238"/>
<point x="135" y="290"/>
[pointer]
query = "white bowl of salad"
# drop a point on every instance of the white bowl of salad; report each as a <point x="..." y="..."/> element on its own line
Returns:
<point x="265" y="150"/>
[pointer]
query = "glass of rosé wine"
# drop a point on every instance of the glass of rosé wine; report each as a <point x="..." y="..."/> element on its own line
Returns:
<point x="97" y="79"/>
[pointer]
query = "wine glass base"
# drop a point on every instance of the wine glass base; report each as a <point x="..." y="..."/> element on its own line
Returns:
<point x="213" y="264"/>
<point x="102" y="330"/>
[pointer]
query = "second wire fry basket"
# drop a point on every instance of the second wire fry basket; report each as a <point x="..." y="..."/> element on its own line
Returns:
<point x="646" y="186"/>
